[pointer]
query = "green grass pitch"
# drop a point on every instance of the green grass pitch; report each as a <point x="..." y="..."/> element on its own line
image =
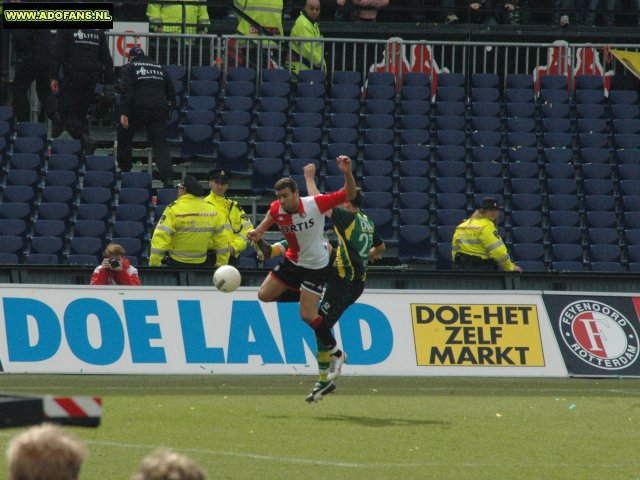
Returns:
<point x="259" y="427"/>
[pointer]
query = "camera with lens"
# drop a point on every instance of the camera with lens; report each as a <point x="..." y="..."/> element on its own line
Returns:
<point x="114" y="263"/>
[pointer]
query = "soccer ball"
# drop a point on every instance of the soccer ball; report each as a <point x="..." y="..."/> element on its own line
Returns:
<point x="227" y="278"/>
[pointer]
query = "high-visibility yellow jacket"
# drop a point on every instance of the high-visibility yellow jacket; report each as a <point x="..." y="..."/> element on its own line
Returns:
<point x="304" y="55"/>
<point x="266" y="13"/>
<point x="186" y="230"/>
<point x="236" y="225"/>
<point x="169" y="16"/>
<point x="479" y="237"/>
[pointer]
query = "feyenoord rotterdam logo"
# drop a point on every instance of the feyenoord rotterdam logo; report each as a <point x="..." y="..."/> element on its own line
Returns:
<point x="599" y="334"/>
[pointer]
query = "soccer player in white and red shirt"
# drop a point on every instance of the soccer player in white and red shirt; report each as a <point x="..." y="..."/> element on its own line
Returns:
<point x="306" y="265"/>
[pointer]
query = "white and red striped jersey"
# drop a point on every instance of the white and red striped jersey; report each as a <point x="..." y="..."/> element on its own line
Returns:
<point x="304" y="229"/>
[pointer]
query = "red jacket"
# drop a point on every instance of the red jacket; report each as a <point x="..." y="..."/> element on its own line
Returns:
<point x="104" y="276"/>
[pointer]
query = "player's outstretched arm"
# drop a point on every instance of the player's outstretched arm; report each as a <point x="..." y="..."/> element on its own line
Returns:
<point x="345" y="166"/>
<point x="257" y="233"/>
<point x="309" y="171"/>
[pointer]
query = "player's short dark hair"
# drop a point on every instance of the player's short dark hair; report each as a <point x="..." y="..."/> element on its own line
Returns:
<point x="358" y="200"/>
<point x="286" y="182"/>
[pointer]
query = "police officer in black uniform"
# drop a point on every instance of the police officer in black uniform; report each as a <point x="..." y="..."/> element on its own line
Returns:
<point x="33" y="52"/>
<point x="148" y="96"/>
<point x="85" y="60"/>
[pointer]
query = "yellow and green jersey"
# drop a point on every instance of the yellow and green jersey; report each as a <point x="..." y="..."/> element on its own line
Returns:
<point x="357" y="234"/>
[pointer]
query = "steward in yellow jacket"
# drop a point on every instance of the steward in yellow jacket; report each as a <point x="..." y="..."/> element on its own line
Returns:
<point x="187" y="229"/>
<point x="306" y="55"/>
<point x="476" y="243"/>
<point x="167" y="17"/>
<point x="266" y="13"/>
<point x="235" y="222"/>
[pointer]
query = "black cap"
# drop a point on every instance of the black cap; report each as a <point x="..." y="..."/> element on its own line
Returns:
<point x="219" y="175"/>
<point x="192" y="186"/>
<point x="135" y="51"/>
<point x="489" y="203"/>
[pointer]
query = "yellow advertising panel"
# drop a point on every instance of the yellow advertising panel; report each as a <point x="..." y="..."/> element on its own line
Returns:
<point x="631" y="60"/>
<point x="477" y="335"/>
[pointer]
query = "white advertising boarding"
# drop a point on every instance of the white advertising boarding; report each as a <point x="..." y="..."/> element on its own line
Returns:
<point x="167" y="330"/>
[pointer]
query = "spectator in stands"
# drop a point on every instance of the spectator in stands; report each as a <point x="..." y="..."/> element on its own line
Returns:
<point x="167" y="465"/>
<point x="181" y="16"/>
<point x="85" y="60"/>
<point x="32" y="52"/>
<point x="258" y="18"/>
<point x="476" y="243"/>
<point x="562" y="10"/>
<point x="306" y="55"/>
<point x="45" y="452"/>
<point x="236" y="223"/>
<point x="489" y="12"/>
<point x="607" y="6"/>
<point x="363" y="10"/>
<point x="115" y="269"/>
<point x="148" y="97"/>
<point x="188" y="227"/>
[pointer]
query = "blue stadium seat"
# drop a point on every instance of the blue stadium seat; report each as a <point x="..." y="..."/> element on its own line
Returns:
<point x="308" y="119"/>
<point x="206" y="73"/>
<point x="594" y="155"/>
<point x="99" y="179"/>
<point x="306" y="134"/>
<point x="567" y="235"/>
<point x="378" y="167"/>
<point x="377" y="135"/>
<point x="266" y="172"/>
<point x="276" y="104"/>
<point x="269" y="150"/>
<point x="312" y="90"/>
<point x="526" y="201"/>
<point x="19" y="193"/>
<point x="562" y="186"/>
<point x="413" y="168"/>
<point x="378" y="200"/>
<point x="558" y="155"/>
<point x="380" y="105"/>
<point x="601" y="203"/>
<point x="305" y="150"/>
<point x="450" y="122"/>
<point x="348" y="105"/>
<point x="383" y="219"/>
<point x="489" y="185"/>
<point x="275" y="89"/>
<point x="414" y="184"/>
<point x="492" y="124"/>
<point x="451" y="201"/>
<point x="450" y="184"/>
<point x="348" y="149"/>
<point x="451" y="137"/>
<point x="416" y="199"/>
<point x="197" y="142"/>
<point x="485" y="95"/>
<point x="242" y="102"/>
<point x="526" y="218"/>
<point x="563" y="202"/>
<point x="63" y="178"/>
<point x="95" y="195"/>
<point x="451" y="80"/>
<point x="54" y="211"/>
<point x="487" y="169"/>
<point x="204" y="88"/>
<point x="413" y="216"/>
<point x="624" y="111"/>
<point x="566" y="252"/>
<point x="414" y="137"/>
<point x="236" y="118"/>
<point x="559" y="170"/>
<point x="377" y="184"/>
<point x="557" y="125"/>
<point x="450" y="216"/>
<point x="270" y="134"/>
<point x="235" y="133"/>
<point x="528" y="252"/>
<point x="521" y="109"/>
<point x="343" y="135"/>
<point x="93" y="211"/>
<point x="557" y="110"/>
<point x="345" y="90"/>
<point x="567" y="266"/>
<point x="196" y="102"/>
<point x="564" y="218"/>
<point x="90" y="228"/>
<point x="132" y="212"/>
<point x="414" y="152"/>
<point x="592" y="125"/>
<point x="274" y="119"/>
<point x="415" y="107"/>
<point x="381" y="92"/>
<point x="414" y="243"/>
<point x="378" y="151"/>
<point x="450" y="108"/>
<point x="589" y="97"/>
<point x="593" y="140"/>
<point x="418" y="122"/>
<point x="557" y="140"/>
<point x="415" y="93"/>
<point x="379" y="120"/>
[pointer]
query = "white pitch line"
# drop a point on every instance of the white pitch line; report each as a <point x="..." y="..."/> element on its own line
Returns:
<point x="305" y="461"/>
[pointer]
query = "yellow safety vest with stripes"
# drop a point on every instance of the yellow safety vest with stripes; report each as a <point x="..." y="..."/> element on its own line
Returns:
<point x="305" y="55"/>
<point x="236" y="225"/>
<point x="479" y="237"/>
<point x="169" y="16"/>
<point x="266" y="13"/>
<point x="188" y="227"/>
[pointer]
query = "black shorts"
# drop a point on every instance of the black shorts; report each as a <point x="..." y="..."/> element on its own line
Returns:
<point x="296" y="278"/>
<point x="338" y="296"/>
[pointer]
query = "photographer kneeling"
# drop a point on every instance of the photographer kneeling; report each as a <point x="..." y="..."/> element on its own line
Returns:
<point x="115" y="268"/>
